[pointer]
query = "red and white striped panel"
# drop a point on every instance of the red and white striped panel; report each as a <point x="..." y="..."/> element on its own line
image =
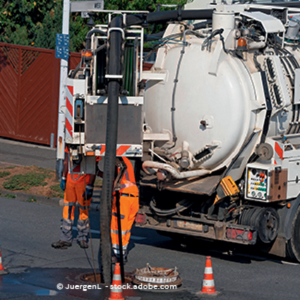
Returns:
<point x="122" y="150"/>
<point x="69" y="111"/>
<point x="278" y="149"/>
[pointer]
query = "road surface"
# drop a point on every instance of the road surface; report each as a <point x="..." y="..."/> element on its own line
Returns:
<point x="28" y="229"/>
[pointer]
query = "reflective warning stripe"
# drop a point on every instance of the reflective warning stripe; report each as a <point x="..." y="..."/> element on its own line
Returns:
<point x="121" y="216"/>
<point x="123" y="232"/>
<point x="124" y="150"/>
<point x="70" y="110"/>
<point x="208" y="283"/>
<point x="69" y="128"/>
<point x="278" y="150"/>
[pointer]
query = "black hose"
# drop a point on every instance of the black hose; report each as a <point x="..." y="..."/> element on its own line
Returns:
<point x="114" y="68"/>
<point x="201" y="25"/>
<point x="160" y="212"/>
<point x="88" y="37"/>
<point x="174" y="15"/>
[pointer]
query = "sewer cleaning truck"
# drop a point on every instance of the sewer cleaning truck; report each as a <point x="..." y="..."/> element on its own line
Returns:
<point x="213" y="127"/>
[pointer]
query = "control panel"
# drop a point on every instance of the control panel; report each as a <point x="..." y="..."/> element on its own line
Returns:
<point x="257" y="184"/>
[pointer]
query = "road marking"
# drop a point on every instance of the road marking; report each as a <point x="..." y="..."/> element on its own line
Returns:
<point x="133" y="237"/>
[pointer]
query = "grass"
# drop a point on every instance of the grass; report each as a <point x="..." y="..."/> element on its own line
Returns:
<point x="9" y="196"/>
<point x="58" y="192"/>
<point x="26" y="181"/>
<point x="4" y="174"/>
<point x="45" y="171"/>
<point x="31" y="199"/>
<point x="98" y="182"/>
<point x="10" y="168"/>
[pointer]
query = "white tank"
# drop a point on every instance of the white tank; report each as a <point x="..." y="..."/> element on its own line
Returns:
<point x="219" y="98"/>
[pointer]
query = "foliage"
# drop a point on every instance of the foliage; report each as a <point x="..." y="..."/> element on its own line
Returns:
<point x="9" y="196"/>
<point x="4" y="174"/>
<point x="58" y="192"/>
<point x="26" y="181"/>
<point x="31" y="199"/>
<point x="36" y="22"/>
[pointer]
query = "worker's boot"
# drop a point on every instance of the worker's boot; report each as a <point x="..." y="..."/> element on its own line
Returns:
<point x="83" y="227"/>
<point x="61" y="244"/>
<point x="66" y="235"/>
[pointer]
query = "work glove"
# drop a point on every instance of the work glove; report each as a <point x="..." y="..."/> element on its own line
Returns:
<point x="88" y="191"/>
<point x="63" y="183"/>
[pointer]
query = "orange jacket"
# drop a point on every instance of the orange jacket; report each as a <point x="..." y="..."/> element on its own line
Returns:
<point x="128" y="183"/>
<point x="76" y="169"/>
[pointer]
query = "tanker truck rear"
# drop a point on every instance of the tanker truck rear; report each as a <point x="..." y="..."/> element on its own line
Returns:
<point x="214" y="125"/>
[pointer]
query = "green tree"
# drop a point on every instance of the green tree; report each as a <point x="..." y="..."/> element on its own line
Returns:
<point x="36" y="22"/>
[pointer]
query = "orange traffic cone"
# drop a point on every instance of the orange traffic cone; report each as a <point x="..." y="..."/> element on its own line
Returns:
<point x="208" y="287"/>
<point x="116" y="293"/>
<point x="2" y="270"/>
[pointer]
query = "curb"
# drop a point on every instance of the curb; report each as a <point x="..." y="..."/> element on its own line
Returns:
<point x="44" y="200"/>
<point x="39" y="199"/>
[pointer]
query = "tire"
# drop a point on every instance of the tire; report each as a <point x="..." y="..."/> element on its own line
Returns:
<point x="267" y="224"/>
<point x="293" y="245"/>
<point x="264" y="220"/>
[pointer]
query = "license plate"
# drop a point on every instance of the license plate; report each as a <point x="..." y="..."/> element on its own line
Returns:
<point x="189" y="225"/>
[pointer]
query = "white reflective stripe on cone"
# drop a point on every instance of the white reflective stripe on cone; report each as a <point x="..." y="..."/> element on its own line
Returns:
<point x="117" y="277"/>
<point x="209" y="283"/>
<point x="208" y="270"/>
<point x="115" y="288"/>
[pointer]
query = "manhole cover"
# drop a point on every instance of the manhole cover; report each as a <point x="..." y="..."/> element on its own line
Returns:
<point x="155" y="276"/>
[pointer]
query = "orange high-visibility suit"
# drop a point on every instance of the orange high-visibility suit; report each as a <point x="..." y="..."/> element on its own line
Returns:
<point x="75" y="188"/>
<point x="129" y="206"/>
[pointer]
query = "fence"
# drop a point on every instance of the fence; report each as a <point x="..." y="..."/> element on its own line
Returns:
<point x="29" y="92"/>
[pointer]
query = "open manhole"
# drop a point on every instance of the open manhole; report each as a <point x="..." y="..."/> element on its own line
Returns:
<point x="97" y="278"/>
<point x="160" y="277"/>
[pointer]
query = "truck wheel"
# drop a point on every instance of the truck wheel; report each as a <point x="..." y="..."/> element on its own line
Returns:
<point x="293" y="245"/>
<point x="267" y="224"/>
<point x="264" y="220"/>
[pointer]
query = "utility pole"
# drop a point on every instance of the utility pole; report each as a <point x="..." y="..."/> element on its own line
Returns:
<point x="60" y="154"/>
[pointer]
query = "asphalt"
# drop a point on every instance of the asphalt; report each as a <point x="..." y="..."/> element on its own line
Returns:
<point x="25" y="154"/>
<point x="28" y="229"/>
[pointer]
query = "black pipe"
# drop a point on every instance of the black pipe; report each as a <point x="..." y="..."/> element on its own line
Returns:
<point x="88" y="37"/>
<point x="173" y="15"/>
<point x="201" y="25"/>
<point x="114" y="68"/>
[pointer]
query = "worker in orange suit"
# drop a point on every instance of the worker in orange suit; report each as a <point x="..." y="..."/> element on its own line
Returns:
<point x="129" y="206"/>
<point x="78" y="188"/>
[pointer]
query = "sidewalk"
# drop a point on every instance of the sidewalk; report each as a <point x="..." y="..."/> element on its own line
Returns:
<point x="25" y="154"/>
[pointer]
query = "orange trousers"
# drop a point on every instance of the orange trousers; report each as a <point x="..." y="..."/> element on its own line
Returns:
<point x="73" y="194"/>
<point x="129" y="206"/>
